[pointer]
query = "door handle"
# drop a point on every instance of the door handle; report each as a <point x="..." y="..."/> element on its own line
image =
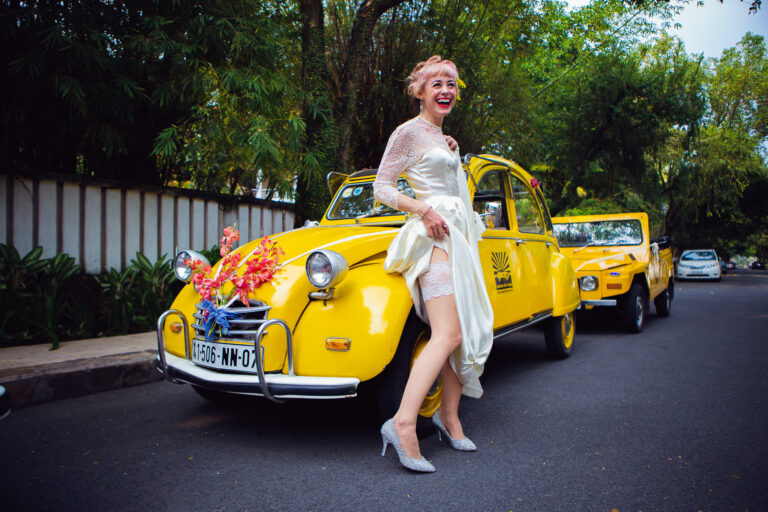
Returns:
<point x="519" y="242"/>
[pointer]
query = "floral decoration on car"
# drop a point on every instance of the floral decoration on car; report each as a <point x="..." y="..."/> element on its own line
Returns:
<point x="219" y="292"/>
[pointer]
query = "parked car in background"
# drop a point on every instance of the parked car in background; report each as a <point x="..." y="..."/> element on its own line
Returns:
<point x="618" y="265"/>
<point x="699" y="264"/>
<point x="333" y="318"/>
<point x="757" y="265"/>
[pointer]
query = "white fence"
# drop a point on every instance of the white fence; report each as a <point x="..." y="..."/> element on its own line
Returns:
<point x="103" y="226"/>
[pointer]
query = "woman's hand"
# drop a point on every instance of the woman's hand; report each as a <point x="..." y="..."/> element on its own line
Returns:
<point x="452" y="144"/>
<point x="435" y="225"/>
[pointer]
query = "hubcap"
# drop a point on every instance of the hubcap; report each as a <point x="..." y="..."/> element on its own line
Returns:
<point x="639" y="311"/>
<point x="567" y="330"/>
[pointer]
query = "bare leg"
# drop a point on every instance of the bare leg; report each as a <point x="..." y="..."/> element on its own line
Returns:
<point x="446" y="337"/>
<point x="449" y="408"/>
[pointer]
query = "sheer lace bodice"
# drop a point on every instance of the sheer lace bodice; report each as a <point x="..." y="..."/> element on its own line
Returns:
<point x="418" y="149"/>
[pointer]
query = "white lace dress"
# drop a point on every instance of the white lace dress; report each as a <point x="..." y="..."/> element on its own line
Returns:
<point x="417" y="149"/>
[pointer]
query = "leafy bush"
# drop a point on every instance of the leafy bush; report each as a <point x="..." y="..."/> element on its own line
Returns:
<point x="51" y="300"/>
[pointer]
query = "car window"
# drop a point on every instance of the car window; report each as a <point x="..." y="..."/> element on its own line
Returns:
<point x="356" y="200"/>
<point x="527" y="210"/>
<point x="698" y="256"/>
<point x="490" y="200"/>
<point x="544" y="211"/>
<point x="604" y="232"/>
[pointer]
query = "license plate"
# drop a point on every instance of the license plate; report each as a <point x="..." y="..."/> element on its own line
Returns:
<point x="225" y="356"/>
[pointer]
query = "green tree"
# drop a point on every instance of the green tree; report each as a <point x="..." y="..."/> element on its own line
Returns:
<point x="90" y="84"/>
<point x="709" y="178"/>
<point x="312" y="195"/>
<point x="245" y="129"/>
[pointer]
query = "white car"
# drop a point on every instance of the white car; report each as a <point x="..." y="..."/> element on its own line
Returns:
<point x="698" y="264"/>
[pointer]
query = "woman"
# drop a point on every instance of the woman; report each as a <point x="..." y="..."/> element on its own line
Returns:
<point x="436" y="251"/>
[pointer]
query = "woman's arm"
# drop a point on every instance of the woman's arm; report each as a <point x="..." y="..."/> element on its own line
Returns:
<point x="399" y="154"/>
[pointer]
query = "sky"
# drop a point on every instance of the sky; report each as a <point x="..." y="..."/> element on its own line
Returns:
<point x="711" y="28"/>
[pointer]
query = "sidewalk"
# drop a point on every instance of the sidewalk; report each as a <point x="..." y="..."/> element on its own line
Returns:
<point x="34" y="374"/>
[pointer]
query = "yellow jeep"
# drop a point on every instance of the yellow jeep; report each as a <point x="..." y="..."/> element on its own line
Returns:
<point x="618" y="265"/>
<point x="332" y="318"/>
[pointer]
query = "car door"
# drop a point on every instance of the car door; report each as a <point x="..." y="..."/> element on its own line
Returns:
<point x="534" y="243"/>
<point x="499" y="252"/>
<point x="654" y="270"/>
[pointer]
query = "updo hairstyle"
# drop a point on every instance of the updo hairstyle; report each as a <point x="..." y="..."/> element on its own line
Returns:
<point x="423" y="71"/>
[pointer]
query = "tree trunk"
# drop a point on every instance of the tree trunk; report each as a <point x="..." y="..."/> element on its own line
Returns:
<point x="312" y="196"/>
<point x="359" y="42"/>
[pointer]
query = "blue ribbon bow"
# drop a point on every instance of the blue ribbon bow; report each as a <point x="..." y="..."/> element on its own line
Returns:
<point x="214" y="315"/>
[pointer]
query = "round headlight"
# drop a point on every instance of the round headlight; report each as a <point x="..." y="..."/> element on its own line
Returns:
<point x="182" y="271"/>
<point x="326" y="268"/>
<point x="588" y="283"/>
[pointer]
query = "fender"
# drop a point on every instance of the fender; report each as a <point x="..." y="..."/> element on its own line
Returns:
<point x="369" y="308"/>
<point x="565" y="289"/>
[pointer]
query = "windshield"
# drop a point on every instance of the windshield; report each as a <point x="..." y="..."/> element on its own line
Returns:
<point x="605" y="232"/>
<point x="356" y="201"/>
<point x="698" y="256"/>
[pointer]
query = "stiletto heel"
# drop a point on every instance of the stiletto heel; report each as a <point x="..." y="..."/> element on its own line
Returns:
<point x="464" y="445"/>
<point x="389" y="436"/>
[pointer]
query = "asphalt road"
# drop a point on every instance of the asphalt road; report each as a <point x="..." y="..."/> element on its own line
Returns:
<point x="672" y="419"/>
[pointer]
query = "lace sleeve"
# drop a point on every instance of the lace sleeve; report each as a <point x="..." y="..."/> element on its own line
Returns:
<point x="400" y="153"/>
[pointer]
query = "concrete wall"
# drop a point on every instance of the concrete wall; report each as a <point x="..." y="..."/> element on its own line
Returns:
<point x="103" y="225"/>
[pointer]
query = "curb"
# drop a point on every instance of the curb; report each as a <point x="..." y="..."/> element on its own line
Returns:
<point x="33" y="385"/>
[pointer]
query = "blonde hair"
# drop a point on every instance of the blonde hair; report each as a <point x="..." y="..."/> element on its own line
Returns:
<point x="423" y="71"/>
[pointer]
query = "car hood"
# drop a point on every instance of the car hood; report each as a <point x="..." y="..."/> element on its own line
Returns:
<point x="354" y="243"/>
<point x="597" y="259"/>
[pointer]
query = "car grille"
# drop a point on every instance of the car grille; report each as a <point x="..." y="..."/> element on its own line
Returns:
<point x="241" y="329"/>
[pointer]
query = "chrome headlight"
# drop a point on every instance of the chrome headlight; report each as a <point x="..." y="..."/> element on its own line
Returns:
<point x="588" y="283"/>
<point x="182" y="271"/>
<point x="325" y="268"/>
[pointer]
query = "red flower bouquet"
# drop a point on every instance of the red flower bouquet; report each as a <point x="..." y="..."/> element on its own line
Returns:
<point x="220" y="291"/>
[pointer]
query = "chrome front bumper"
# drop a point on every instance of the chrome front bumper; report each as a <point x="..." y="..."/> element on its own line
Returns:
<point x="600" y="302"/>
<point x="276" y="386"/>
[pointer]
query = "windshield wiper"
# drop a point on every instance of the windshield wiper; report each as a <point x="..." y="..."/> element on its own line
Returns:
<point x="589" y="244"/>
<point x="372" y="213"/>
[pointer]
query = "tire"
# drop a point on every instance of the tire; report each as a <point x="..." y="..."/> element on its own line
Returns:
<point x="663" y="302"/>
<point x="633" y="309"/>
<point x="390" y="384"/>
<point x="558" y="335"/>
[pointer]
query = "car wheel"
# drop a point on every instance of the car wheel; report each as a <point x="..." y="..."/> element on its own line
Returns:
<point x="391" y="383"/>
<point x="633" y="309"/>
<point x="663" y="302"/>
<point x="558" y="335"/>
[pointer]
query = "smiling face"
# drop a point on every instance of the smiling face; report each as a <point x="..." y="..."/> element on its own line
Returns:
<point x="438" y="96"/>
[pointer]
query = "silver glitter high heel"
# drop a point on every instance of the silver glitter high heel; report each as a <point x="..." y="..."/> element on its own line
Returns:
<point x="389" y="436"/>
<point x="464" y="445"/>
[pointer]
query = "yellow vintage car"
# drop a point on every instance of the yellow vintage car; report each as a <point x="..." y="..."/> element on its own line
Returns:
<point x="618" y="265"/>
<point x="333" y="318"/>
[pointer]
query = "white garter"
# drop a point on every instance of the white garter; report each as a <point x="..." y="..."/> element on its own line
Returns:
<point x="436" y="281"/>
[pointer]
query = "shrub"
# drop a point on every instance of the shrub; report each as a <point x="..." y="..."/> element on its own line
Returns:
<point x="52" y="300"/>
